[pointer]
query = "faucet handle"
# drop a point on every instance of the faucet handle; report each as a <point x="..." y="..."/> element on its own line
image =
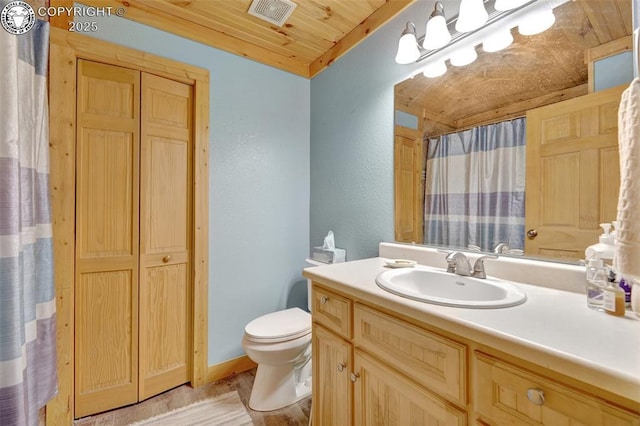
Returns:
<point x="451" y="264"/>
<point x="478" y="266"/>
<point x="458" y="263"/>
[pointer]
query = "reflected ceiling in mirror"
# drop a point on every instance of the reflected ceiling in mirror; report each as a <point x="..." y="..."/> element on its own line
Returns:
<point x="534" y="71"/>
<point x="500" y="84"/>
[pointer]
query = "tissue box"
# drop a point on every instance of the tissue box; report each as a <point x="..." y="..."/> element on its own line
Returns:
<point x="336" y="255"/>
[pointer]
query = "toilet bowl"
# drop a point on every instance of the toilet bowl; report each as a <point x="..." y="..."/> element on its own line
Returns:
<point x="280" y="343"/>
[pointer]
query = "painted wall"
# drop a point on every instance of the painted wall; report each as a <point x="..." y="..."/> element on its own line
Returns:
<point x="613" y="71"/>
<point x="352" y="141"/>
<point x="259" y="180"/>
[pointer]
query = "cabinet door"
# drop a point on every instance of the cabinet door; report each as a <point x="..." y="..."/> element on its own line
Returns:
<point x="385" y="397"/>
<point x="332" y="390"/>
<point x="106" y="329"/>
<point x="165" y="237"/>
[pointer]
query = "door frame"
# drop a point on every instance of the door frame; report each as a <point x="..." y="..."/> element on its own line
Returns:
<point x="65" y="50"/>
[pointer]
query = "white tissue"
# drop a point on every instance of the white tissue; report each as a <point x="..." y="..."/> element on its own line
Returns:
<point x="329" y="242"/>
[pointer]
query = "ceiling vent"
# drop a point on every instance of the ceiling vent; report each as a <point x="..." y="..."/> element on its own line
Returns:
<point x="274" y="11"/>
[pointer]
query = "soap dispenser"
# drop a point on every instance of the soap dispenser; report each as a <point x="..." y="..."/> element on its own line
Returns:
<point x="605" y="249"/>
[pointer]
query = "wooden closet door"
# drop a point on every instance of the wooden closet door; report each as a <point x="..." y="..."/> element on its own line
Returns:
<point x="106" y="329"/>
<point x="165" y="236"/>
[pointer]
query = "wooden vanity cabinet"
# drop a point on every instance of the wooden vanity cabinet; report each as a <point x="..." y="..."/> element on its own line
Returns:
<point x="355" y="369"/>
<point x="373" y="368"/>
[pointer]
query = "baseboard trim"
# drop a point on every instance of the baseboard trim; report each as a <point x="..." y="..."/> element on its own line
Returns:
<point x="229" y="368"/>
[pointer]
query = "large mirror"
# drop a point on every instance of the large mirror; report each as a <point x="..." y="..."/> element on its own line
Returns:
<point x="553" y="97"/>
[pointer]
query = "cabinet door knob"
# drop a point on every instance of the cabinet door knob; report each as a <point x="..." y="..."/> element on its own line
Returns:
<point x="166" y="259"/>
<point x="341" y="366"/>
<point x="354" y="377"/>
<point x="532" y="233"/>
<point x="324" y="300"/>
<point x="536" y="396"/>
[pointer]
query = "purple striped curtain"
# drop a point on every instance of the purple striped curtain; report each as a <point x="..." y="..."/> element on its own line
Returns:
<point x="474" y="188"/>
<point x="28" y="377"/>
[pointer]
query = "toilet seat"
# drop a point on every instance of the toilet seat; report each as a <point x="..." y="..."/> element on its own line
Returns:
<point x="279" y="326"/>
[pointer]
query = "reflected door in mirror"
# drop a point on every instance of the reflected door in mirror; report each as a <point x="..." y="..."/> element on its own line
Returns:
<point x="573" y="173"/>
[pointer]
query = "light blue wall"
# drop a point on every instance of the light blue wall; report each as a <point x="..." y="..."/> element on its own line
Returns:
<point x="613" y="71"/>
<point x="352" y="141"/>
<point x="405" y="119"/>
<point x="259" y="180"/>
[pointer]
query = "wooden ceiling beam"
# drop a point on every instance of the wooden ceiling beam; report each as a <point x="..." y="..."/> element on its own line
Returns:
<point x="359" y="33"/>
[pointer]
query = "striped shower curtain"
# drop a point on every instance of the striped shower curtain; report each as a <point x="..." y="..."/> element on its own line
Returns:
<point x="474" y="188"/>
<point x="28" y="377"/>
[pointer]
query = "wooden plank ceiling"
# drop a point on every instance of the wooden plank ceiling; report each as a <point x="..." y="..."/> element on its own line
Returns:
<point x="547" y="67"/>
<point x="317" y="33"/>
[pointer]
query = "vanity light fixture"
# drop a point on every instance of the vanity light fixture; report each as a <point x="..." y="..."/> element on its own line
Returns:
<point x="408" y="46"/>
<point x="435" y="69"/>
<point x="472" y="15"/>
<point x="503" y="5"/>
<point x="539" y="21"/>
<point x="463" y="56"/>
<point x="531" y="17"/>
<point x="437" y="34"/>
<point x="499" y="40"/>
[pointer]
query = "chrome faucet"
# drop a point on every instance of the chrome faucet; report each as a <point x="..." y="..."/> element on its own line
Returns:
<point x="478" y="267"/>
<point x="501" y="248"/>
<point x="458" y="263"/>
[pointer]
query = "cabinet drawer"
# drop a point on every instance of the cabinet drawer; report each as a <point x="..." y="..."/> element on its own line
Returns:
<point x="435" y="362"/>
<point x="505" y="394"/>
<point x="332" y="311"/>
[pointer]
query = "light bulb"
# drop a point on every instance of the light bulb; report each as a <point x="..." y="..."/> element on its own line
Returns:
<point x="472" y="15"/>
<point x="537" y="22"/>
<point x="498" y="41"/>
<point x="435" y="69"/>
<point x="437" y="34"/>
<point x="408" y="46"/>
<point x="463" y="56"/>
<point x="502" y="5"/>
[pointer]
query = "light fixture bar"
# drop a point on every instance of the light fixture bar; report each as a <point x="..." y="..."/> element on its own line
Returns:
<point x="497" y="19"/>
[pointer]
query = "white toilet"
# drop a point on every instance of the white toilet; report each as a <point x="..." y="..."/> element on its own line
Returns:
<point x="280" y="343"/>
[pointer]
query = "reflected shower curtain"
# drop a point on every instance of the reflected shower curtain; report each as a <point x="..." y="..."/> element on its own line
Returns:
<point x="474" y="188"/>
<point x="28" y="376"/>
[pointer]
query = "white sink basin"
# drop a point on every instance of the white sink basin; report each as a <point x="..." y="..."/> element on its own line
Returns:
<point x="444" y="288"/>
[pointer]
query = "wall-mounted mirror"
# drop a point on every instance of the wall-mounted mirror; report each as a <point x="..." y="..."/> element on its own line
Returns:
<point x="542" y="191"/>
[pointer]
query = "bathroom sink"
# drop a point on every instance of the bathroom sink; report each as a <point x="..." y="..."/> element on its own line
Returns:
<point x="444" y="288"/>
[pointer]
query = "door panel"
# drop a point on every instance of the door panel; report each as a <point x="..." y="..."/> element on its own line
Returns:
<point x="106" y="328"/>
<point x="165" y="236"/>
<point x="573" y="173"/>
<point x="409" y="188"/>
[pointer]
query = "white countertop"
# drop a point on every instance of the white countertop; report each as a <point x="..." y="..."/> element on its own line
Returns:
<point x="553" y="328"/>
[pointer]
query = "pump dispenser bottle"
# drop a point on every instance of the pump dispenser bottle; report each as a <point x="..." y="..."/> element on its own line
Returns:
<point x="605" y="249"/>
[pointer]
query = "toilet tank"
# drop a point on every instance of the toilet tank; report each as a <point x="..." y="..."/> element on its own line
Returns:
<point x="310" y="263"/>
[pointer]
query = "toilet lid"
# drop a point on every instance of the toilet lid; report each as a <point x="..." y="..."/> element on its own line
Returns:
<point x="281" y="325"/>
